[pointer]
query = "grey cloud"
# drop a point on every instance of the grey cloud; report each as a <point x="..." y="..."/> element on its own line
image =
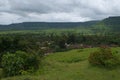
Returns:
<point x="57" y="10"/>
<point x="45" y="6"/>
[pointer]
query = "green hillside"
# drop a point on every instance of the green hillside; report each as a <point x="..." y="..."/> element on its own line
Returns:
<point x="111" y="24"/>
<point x="108" y="25"/>
<point x="71" y="65"/>
<point x="46" y="25"/>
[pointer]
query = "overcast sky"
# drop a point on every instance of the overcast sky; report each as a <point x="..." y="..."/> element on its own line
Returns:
<point x="14" y="11"/>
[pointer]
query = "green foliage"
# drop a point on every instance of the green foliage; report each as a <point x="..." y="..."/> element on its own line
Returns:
<point x="1" y="73"/>
<point x="61" y="43"/>
<point x="104" y="57"/>
<point x="54" y="69"/>
<point x="53" y="41"/>
<point x="57" y="48"/>
<point x="14" y="63"/>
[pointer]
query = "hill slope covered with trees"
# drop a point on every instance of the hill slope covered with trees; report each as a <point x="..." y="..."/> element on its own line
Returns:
<point x="107" y="25"/>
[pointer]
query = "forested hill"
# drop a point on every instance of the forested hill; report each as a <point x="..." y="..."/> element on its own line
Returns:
<point x="113" y="23"/>
<point x="46" y="25"/>
<point x="108" y="24"/>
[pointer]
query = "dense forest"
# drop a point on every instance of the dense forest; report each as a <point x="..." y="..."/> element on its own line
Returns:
<point x="44" y="43"/>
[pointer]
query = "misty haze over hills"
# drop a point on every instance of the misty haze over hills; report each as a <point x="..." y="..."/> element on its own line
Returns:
<point x="110" y="23"/>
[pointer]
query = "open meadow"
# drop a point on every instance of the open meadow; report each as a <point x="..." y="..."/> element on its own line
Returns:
<point x="71" y="65"/>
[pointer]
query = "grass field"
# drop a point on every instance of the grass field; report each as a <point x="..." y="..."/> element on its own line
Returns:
<point x="76" y="30"/>
<point x="71" y="65"/>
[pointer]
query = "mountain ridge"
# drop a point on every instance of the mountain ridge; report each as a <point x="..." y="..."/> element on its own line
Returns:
<point x="108" y="24"/>
<point x="46" y="25"/>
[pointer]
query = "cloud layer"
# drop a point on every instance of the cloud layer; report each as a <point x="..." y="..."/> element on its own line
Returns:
<point x="13" y="11"/>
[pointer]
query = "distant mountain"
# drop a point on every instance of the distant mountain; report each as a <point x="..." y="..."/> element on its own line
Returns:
<point x="46" y="25"/>
<point x="111" y="24"/>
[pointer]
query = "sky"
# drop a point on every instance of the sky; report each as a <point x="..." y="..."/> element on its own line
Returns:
<point x="16" y="11"/>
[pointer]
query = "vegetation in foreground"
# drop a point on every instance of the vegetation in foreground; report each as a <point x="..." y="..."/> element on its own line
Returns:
<point x="71" y="65"/>
<point x="23" y="55"/>
<point x="104" y="57"/>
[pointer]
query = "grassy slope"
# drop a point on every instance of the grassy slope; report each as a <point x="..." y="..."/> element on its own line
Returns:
<point x="76" y="30"/>
<point x="71" y="65"/>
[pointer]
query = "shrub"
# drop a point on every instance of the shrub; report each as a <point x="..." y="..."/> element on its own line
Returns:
<point x="14" y="63"/>
<point x="32" y="63"/>
<point x="1" y="73"/>
<point x="104" y="57"/>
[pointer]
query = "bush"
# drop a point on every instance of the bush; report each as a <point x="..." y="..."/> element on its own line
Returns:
<point x="14" y="63"/>
<point x="104" y="57"/>
<point x="1" y="73"/>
